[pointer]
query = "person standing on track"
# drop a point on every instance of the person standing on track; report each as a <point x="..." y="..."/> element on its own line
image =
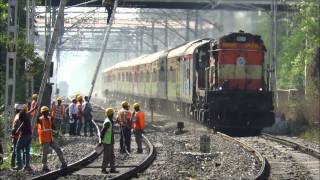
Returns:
<point x="24" y="140"/>
<point x="109" y="8"/>
<point x="57" y="113"/>
<point x="138" y="125"/>
<point x="124" y="120"/>
<point x="15" y="134"/>
<point x="73" y="117"/>
<point x="80" y="115"/>
<point x="45" y="127"/>
<point x="87" y="110"/>
<point x="107" y="139"/>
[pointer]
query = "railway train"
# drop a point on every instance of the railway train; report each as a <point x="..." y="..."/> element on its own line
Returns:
<point x="222" y="83"/>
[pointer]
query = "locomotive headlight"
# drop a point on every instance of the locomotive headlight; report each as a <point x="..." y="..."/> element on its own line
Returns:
<point x="260" y="89"/>
<point x="220" y="88"/>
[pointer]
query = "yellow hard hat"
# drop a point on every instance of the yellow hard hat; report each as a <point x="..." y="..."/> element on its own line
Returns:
<point x="109" y="112"/>
<point x="79" y="98"/>
<point x="34" y="96"/>
<point x="44" y="109"/>
<point x="59" y="99"/>
<point x="24" y="107"/>
<point x="125" y="104"/>
<point x="136" y="105"/>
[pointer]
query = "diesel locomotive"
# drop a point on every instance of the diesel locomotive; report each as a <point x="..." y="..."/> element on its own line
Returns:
<point x="222" y="82"/>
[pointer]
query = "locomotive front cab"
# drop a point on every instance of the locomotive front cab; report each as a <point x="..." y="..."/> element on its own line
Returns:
<point x="235" y="94"/>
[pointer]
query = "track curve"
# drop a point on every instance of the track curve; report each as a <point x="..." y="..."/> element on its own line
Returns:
<point x="82" y="163"/>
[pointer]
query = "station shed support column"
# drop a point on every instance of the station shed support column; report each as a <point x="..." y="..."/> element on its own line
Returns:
<point x="10" y="87"/>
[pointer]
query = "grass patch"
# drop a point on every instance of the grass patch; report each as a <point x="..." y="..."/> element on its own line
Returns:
<point x="312" y="135"/>
<point x="35" y="154"/>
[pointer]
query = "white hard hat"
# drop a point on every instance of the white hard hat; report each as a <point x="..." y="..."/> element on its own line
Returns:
<point x="18" y="106"/>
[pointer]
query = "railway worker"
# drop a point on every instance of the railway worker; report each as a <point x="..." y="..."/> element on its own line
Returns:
<point x="57" y="114"/>
<point x="73" y="117"/>
<point x="138" y="125"/>
<point x="124" y="120"/>
<point x="24" y="140"/>
<point x="45" y="127"/>
<point x="33" y="105"/>
<point x="109" y="8"/>
<point x="80" y="114"/>
<point x="15" y="134"/>
<point x="107" y="140"/>
<point x="87" y="110"/>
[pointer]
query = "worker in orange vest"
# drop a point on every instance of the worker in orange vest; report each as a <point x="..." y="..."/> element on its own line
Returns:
<point x="34" y="105"/>
<point x="138" y="125"/>
<point x="45" y="126"/>
<point x="57" y="113"/>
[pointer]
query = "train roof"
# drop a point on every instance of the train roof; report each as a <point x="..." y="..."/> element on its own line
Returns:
<point x="143" y="59"/>
<point x="187" y="48"/>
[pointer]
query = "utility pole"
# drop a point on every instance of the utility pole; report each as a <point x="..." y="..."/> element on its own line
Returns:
<point x="196" y="24"/>
<point x="48" y="59"/>
<point x="10" y="89"/>
<point x="30" y="7"/>
<point x="274" y="48"/>
<point x="166" y="33"/>
<point x="188" y="27"/>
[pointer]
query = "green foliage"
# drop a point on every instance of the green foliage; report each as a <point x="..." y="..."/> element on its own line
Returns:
<point x="312" y="135"/>
<point x="25" y="51"/>
<point x="298" y="50"/>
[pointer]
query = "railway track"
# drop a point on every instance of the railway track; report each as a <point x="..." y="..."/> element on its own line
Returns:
<point x="263" y="164"/>
<point x="285" y="159"/>
<point x="91" y="164"/>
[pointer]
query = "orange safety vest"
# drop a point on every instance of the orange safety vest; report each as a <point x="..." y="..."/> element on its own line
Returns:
<point x="45" y="130"/>
<point x="139" y="123"/>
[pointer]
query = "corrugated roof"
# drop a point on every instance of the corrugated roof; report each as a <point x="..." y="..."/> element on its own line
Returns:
<point x="144" y="59"/>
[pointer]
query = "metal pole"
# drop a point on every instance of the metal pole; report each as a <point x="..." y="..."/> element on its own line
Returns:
<point x="103" y="48"/>
<point x="48" y="59"/>
<point x="196" y="25"/>
<point x="141" y="39"/>
<point x="188" y="26"/>
<point x="166" y="33"/>
<point x="11" y="65"/>
<point x="274" y="47"/>
<point x="28" y="21"/>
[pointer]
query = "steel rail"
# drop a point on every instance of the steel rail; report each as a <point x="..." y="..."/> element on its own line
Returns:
<point x="82" y="163"/>
<point x="143" y="165"/>
<point x="72" y="167"/>
<point x="296" y="146"/>
<point x="264" y="168"/>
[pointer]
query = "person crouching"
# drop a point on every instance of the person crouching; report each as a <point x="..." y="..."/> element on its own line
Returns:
<point x="44" y="124"/>
<point x="107" y="139"/>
